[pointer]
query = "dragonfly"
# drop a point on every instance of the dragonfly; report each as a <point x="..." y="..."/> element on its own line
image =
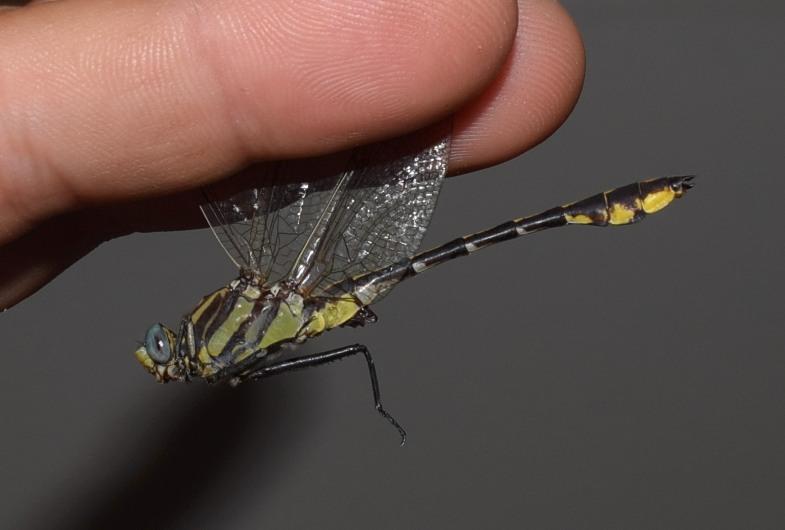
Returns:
<point x="315" y="254"/>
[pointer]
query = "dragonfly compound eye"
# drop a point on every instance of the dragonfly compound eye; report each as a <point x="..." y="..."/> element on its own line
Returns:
<point x="157" y="344"/>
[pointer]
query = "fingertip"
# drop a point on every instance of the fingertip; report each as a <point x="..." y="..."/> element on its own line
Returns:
<point x="535" y="92"/>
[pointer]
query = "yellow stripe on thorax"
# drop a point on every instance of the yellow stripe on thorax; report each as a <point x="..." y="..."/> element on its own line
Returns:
<point x="220" y="338"/>
<point x="287" y="322"/>
<point x="204" y="304"/>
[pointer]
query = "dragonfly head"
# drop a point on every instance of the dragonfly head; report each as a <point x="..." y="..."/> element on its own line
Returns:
<point x="157" y="355"/>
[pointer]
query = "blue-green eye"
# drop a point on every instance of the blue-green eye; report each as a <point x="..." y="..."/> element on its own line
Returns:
<point x="157" y="344"/>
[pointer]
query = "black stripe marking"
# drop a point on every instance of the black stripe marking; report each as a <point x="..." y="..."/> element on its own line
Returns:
<point x="630" y="198"/>
<point x="207" y="316"/>
<point x="222" y="311"/>
<point x="238" y="337"/>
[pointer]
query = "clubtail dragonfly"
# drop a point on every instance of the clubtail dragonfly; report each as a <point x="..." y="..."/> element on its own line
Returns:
<point x="315" y="254"/>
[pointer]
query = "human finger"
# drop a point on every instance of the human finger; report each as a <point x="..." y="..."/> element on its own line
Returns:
<point x="147" y="98"/>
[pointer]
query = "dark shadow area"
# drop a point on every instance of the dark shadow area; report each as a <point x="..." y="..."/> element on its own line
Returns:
<point x="222" y="435"/>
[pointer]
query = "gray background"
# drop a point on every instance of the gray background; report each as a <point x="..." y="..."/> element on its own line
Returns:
<point x="586" y="378"/>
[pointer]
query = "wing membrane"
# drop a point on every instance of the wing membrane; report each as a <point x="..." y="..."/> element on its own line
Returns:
<point x="384" y="213"/>
<point x="368" y="214"/>
<point x="264" y="228"/>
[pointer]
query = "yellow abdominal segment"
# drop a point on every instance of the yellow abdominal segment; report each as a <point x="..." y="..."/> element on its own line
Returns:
<point x="621" y="214"/>
<point x="579" y="219"/>
<point x="656" y="201"/>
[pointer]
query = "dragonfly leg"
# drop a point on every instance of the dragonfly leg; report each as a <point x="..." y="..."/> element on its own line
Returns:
<point x="318" y="359"/>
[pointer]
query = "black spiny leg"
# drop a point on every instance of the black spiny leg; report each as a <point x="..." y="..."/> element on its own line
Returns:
<point x="326" y="357"/>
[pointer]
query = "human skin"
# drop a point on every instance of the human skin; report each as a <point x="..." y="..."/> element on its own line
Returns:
<point x="114" y="113"/>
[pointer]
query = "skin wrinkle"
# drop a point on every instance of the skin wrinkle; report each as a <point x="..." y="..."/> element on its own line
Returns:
<point x="560" y="71"/>
<point x="199" y="39"/>
<point x="271" y="50"/>
<point x="8" y="172"/>
<point x="184" y="114"/>
<point x="17" y="196"/>
<point x="16" y="157"/>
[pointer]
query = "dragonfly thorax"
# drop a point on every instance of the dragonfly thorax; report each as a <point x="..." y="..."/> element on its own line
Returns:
<point x="240" y="328"/>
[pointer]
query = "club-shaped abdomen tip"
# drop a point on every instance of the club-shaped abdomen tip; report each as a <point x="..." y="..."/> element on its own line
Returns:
<point x="658" y="193"/>
<point x="681" y="184"/>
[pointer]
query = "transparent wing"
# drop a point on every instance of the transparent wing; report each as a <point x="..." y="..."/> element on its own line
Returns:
<point x="385" y="210"/>
<point x="264" y="228"/>
<point x="369" y="210"/>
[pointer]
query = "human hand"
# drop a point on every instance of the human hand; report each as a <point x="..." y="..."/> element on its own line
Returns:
<point x="113" y="114"/>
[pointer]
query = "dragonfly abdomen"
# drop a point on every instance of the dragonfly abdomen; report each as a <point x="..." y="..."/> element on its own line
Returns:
<point x="626" y="205"/>
<point x="620" y="206"/>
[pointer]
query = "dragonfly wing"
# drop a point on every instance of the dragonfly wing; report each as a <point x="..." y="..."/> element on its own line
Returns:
<point x="264" y="228"/>
<point x="356" y="213"/>
<point x="228" y="224"/>
<point x="385" y="209"/>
